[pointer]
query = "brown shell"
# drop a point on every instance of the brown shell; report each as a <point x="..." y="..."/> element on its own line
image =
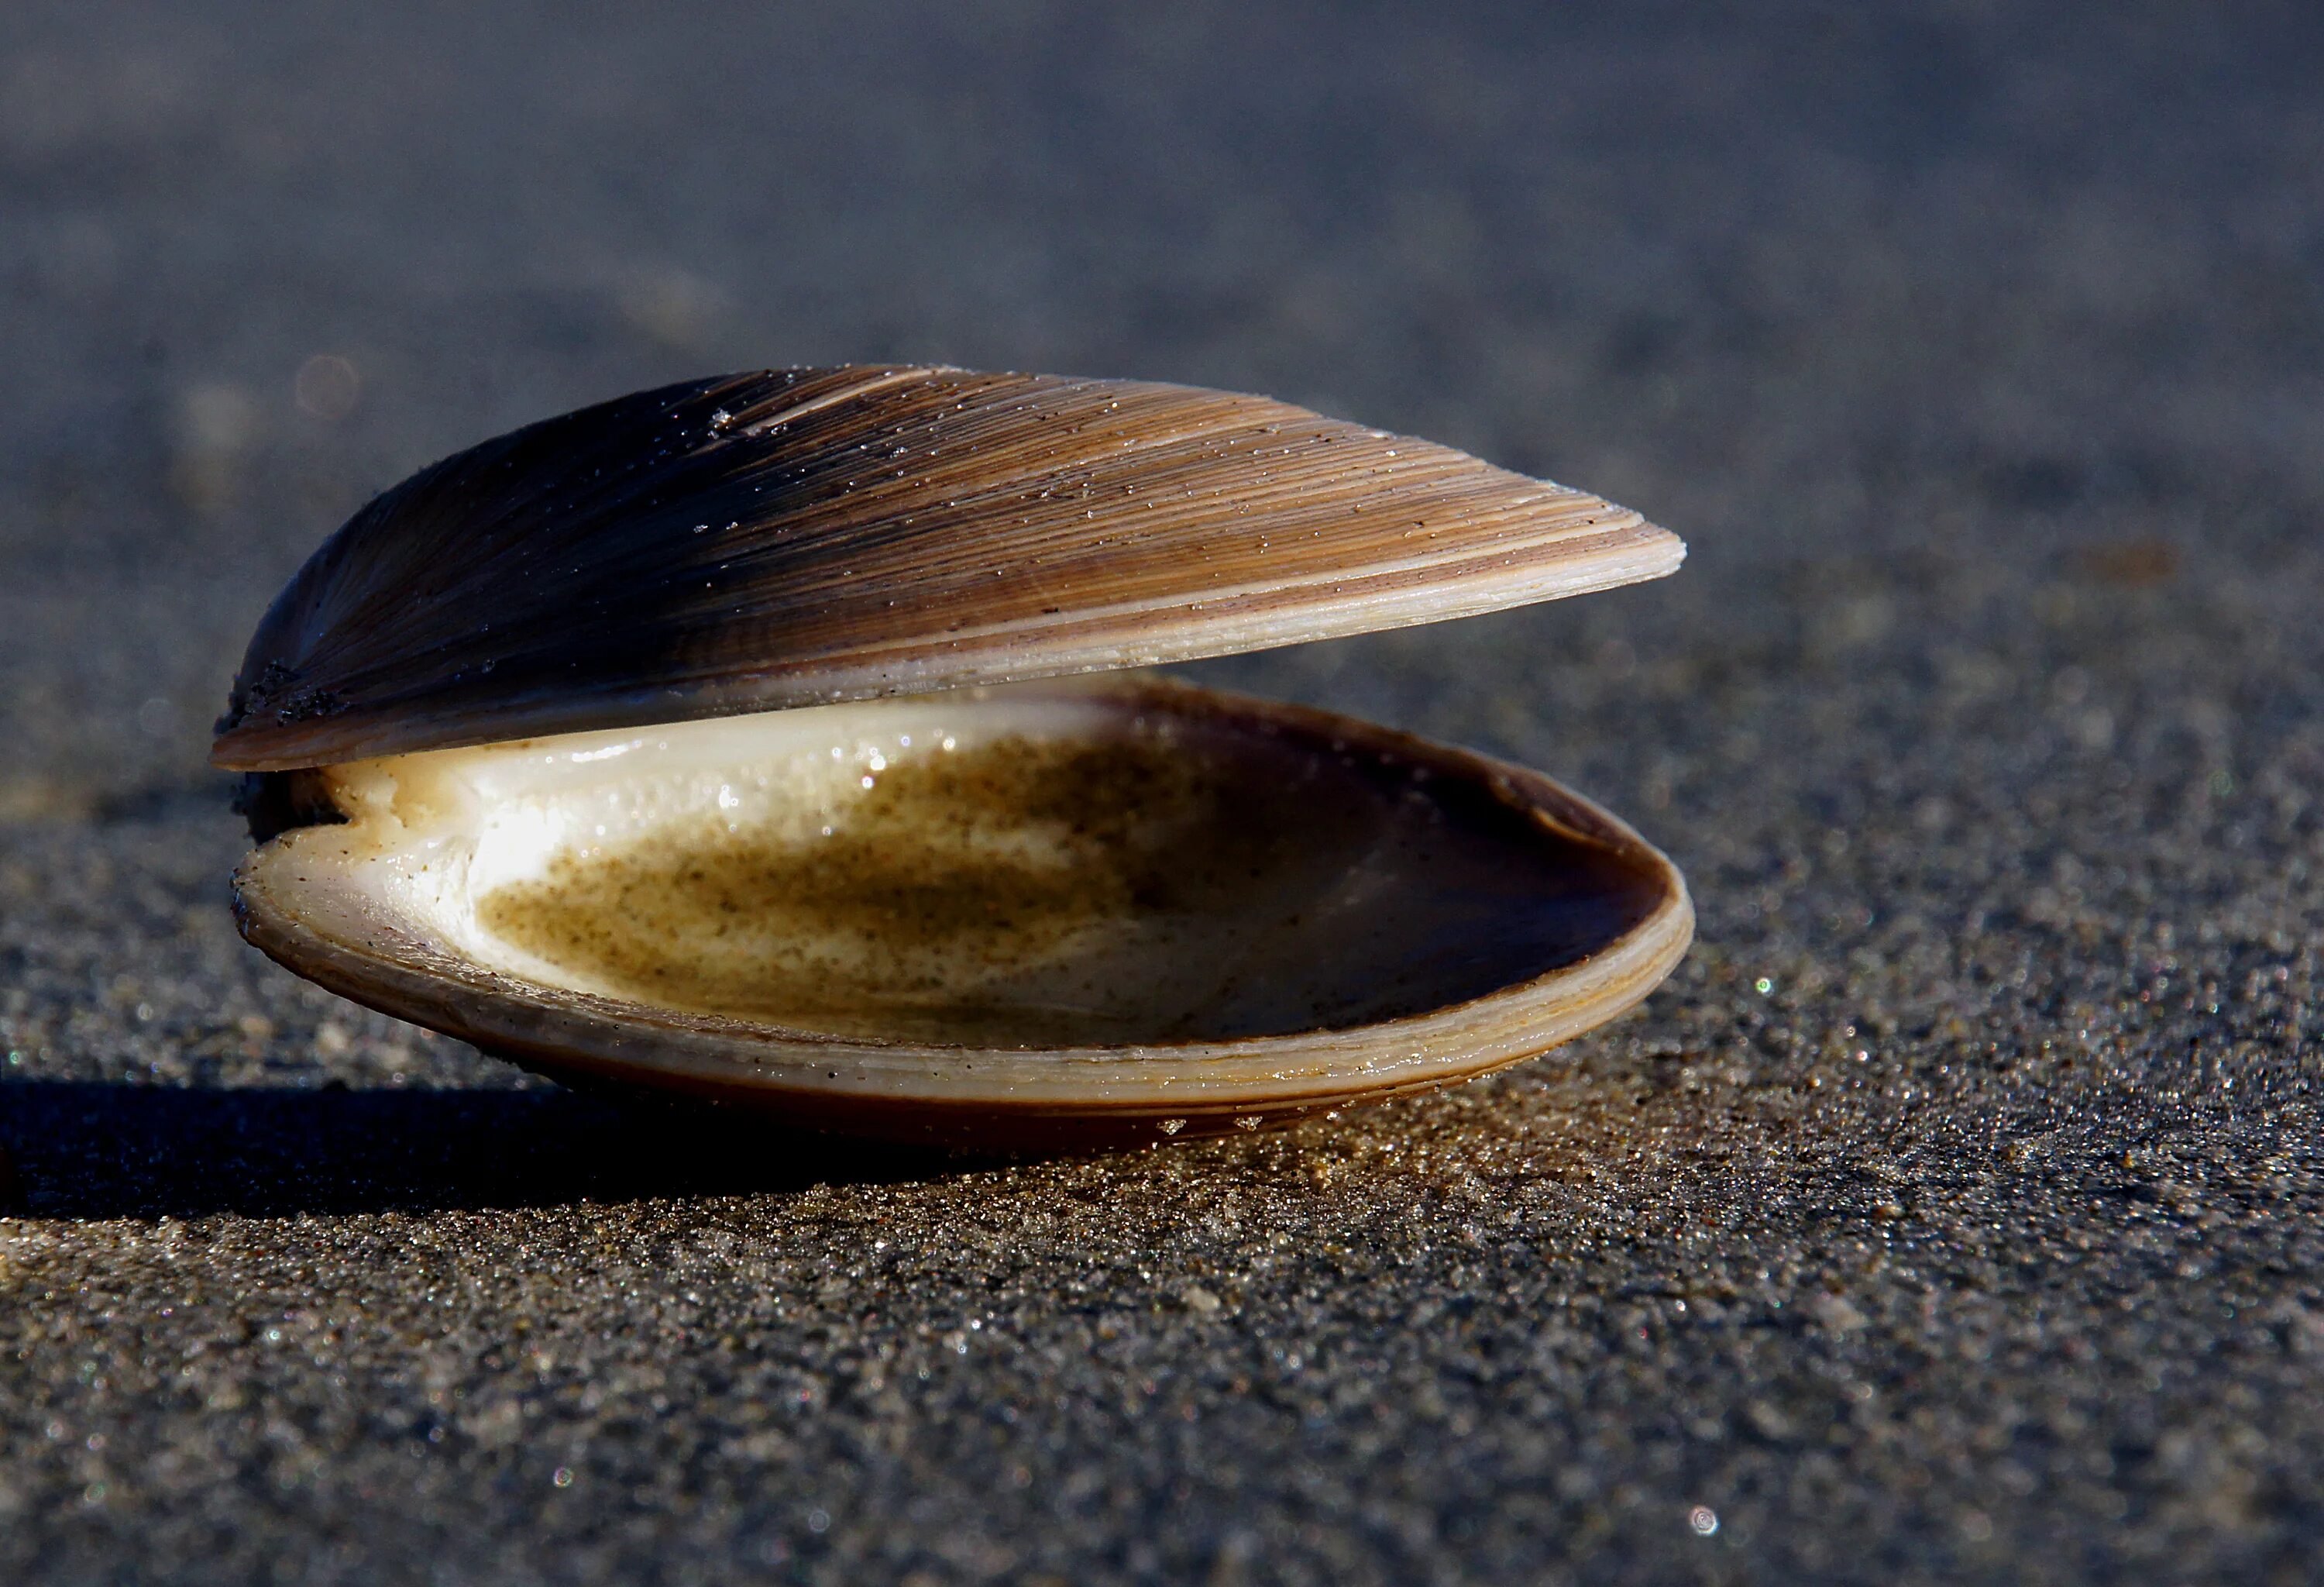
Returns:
<point x="806" y="536"/>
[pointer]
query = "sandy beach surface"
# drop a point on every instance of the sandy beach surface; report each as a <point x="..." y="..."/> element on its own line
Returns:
<point x="1950" y="1215"/>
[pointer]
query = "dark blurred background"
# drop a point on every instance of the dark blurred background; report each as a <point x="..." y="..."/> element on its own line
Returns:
<point x="1950" y="1217"/>
<point x="1970" y="281"/>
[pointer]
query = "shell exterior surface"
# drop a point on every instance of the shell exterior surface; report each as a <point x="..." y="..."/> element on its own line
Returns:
<point x="806" y="536"/>
<point x="1106" y="911"/>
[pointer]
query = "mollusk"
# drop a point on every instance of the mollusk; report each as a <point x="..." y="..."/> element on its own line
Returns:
<point x="768" y="738"/>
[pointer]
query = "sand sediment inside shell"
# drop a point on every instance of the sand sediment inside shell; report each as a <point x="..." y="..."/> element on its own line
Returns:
<point x="1030" y="891"/>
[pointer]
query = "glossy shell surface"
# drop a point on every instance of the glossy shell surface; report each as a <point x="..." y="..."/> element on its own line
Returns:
<point x="801" y="537"/>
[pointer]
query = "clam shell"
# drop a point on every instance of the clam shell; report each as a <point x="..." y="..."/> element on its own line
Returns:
<point x="579" y="746"/>
<point x="808" y="536"/>
<point x="1200" y="913"/>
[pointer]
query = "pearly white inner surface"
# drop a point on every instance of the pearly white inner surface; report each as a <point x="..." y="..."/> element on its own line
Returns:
<point x="1039" y="866"/>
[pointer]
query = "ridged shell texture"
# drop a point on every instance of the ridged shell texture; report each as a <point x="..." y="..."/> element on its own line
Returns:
<point x="802" y="536"/>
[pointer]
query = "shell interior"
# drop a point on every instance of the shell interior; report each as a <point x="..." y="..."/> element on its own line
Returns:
<point x="1126" y="899"/>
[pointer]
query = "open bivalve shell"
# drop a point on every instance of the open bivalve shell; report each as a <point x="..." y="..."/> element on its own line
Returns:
<point x="727" y="739"/>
